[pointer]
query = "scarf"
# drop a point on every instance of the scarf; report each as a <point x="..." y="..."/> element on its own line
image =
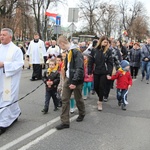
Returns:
<point x="122" y="71"/>
<point x="70" y="55"/>
<point x="49" y="70"/>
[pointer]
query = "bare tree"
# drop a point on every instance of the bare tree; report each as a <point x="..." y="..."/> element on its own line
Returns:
<point x="39" y="8"/>
<point x="108" y="21"/>
<point x="6" y="11"/>
<point x="100" y="16"/>
<point x="139" y="29"/>
<point x="130" y="13"/>
<point x="89" y="14"/>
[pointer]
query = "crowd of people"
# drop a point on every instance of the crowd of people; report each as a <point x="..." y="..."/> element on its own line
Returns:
<point x="73" y="71"/>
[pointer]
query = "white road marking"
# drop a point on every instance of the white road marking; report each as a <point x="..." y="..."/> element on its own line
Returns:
<point x="25" y="136"/>
<point x="42" y="137"/>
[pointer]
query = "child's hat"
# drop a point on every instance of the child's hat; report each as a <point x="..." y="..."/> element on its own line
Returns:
<point x="124" y="63"/>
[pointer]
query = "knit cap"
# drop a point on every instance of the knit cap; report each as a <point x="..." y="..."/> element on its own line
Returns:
<point x="124" y="64"/>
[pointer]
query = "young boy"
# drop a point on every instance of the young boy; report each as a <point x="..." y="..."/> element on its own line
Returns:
<point x="124" y="82"/>
<point x="51" y="79"/>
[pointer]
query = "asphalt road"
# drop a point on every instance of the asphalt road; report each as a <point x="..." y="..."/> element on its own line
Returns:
<point x="111" y="129"/>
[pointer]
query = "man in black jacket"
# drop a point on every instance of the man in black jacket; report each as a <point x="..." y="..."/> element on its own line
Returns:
<point x="74" y="77"/>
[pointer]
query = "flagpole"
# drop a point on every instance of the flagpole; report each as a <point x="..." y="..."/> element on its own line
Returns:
<point x="43" y="18"/>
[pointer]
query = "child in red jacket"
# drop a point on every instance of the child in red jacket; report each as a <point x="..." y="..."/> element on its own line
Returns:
<point x="124" y="82"/>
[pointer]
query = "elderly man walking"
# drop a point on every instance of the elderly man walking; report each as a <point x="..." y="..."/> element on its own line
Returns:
<point x="11" y="62"/>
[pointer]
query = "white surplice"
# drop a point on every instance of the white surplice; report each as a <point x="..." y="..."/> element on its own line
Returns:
<point x="12" y="69"/>
<point x="53" y="50"/>
<point x="36" y="52"/>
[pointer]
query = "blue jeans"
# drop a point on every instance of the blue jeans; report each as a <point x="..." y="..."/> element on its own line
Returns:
<point x="145" y="69"/>
<point x="122" y="96"/>
<point x="86" y="86"/>
<point x="48" y="95"/>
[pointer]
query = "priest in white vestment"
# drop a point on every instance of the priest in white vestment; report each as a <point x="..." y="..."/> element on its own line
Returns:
<point x="53" y="51"/>
<point x="11" y="62"/>
<point x="36" y="53"/>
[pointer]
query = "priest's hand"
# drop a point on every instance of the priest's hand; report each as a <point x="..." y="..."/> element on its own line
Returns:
<point x="1" y="64"/>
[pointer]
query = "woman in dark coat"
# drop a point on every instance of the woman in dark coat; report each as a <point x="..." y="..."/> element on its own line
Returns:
<point x="123" y="50"/>
<point x="135" y="58"/>
<point x="100" y="64"/>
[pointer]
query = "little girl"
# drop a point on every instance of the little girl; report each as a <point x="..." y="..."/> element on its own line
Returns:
<point x="88" y="79"/>
<point x="51" y="79"/>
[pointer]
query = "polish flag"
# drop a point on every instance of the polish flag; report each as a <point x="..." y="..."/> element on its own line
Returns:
<point x="48" y="13"/>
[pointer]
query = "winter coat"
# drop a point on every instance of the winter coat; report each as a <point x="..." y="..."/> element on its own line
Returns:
<point x="116" y="56"/>
<point x="123" y="80"/>
<point x="135" y="57"/>
<point x="100" y="63"/>
<point x="76" y="67"/>
<point x="53" y="76"/>
<point x="145" y="52"/>
<point x="124" y="52"/>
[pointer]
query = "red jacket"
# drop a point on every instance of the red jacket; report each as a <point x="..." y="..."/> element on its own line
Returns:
<point x="123" y="80"/>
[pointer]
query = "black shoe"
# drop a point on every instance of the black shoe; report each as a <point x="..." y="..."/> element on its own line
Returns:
<point x="2" y="130"/>
<point x="32" y="79"/>
<point x="39" y="79"/>
<point x="44" y="111"/>
<point x="62" y="126"/>
<point x="123" y="106"/>
<point x="80" y="118"/>
<point x="119" y="103"/>
<point x="55" y="109"/>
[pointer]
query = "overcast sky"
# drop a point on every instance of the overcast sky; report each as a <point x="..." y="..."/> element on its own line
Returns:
<point x="63" y="10"/>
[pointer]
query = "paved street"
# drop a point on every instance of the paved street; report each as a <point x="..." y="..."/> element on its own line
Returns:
<point x="111" y="129"/>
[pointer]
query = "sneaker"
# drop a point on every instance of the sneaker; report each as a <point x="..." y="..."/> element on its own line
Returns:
<point x="123" y="106"/>
<point x="85" y="97"/>
<point x="105" y="99"/>
<point x="72" y="110"/>
<point x="44" y="111"/>
<point x="55" y="109"/>
<point x="80" y="118"/>
<point x="147" y="82"/>
<point x="62" y="126"/>
<point x="119" y="103"/>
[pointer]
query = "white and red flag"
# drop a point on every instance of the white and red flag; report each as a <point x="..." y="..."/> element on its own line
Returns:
<point x="48" y="13"/>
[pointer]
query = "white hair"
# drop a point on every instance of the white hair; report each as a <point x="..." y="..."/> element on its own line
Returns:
<point x="8" y="30"/>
